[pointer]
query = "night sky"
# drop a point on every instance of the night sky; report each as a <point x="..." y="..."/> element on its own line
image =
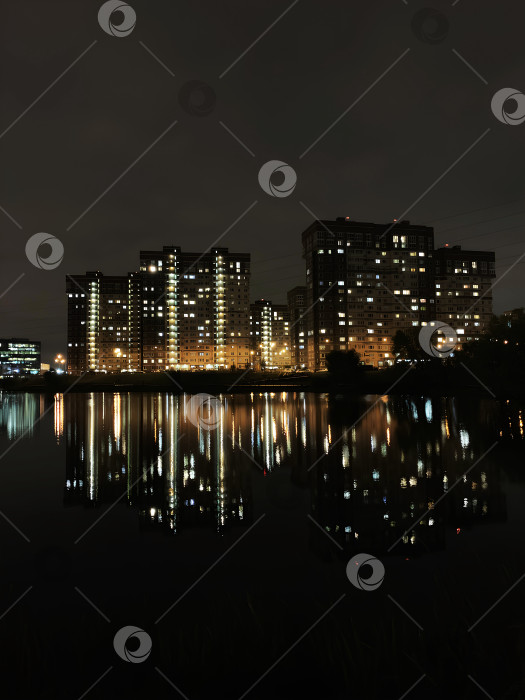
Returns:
<point x="197" y="180"/>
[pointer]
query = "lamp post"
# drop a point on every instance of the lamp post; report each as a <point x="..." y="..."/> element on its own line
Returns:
<point x="60" y="362"/>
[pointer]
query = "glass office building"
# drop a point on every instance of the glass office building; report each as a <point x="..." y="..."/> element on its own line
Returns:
<point x="19" y="356"/>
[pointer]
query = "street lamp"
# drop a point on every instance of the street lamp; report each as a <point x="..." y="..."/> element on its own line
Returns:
<point x="60" y="361"/>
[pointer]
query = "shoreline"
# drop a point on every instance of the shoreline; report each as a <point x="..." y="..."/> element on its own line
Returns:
<point x="444" y="381"/>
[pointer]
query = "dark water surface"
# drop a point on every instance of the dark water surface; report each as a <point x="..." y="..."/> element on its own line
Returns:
<point x="229" y="546"/>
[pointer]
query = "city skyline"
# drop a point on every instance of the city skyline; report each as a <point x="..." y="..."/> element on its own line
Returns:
<point x="373" y="164"/>
<point x="50" y="346"/>
<point x="262" y="349"/>
<point x="363" y="282"/>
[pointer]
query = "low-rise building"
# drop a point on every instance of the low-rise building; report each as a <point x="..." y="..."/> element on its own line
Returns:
<point x="19" y="356"/>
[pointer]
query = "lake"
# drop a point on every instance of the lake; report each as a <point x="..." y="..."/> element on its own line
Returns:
<point x="223" y="530"/>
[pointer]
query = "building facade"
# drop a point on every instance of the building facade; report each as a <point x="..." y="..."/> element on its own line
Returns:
<point x="195" y="309"/>
<point x="464" y="280"/>
<point x="270" y="335"/>
<point x="179" y="311"/>
<point x="297" y="311"/>
<point x="19" y="356"/>
<point x="103" y="331"/>
<point x="364" y="281"/>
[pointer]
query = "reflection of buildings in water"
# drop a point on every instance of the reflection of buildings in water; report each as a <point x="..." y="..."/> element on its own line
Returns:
<point x="511" y="420"/>
<point x="378" y="478"/>
<point x="141" y="448"/>
<point x="19" y="413"/>
<point x="58" y="416"/>
<point x="373" y="482"/>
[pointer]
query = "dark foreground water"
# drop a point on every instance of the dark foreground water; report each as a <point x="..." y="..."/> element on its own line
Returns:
<point x="228" y="547"/>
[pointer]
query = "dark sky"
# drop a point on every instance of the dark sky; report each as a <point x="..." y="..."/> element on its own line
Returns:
<point x="277" y="99"/>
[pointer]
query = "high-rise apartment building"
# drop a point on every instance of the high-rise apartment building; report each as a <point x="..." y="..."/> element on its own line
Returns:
<point x="180" y="311"/>
<point x="464" y="280"/>
<point x="364" y="281"/>
<point x="270" y="335"/>
<point x="297" y="311"/>
<point x="103" y="328"/>
<point x="195" y="309"/>
<point x="281" y="344"/>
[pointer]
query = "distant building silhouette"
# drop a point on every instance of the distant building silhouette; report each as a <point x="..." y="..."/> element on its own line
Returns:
<point x="514" y="315"/>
